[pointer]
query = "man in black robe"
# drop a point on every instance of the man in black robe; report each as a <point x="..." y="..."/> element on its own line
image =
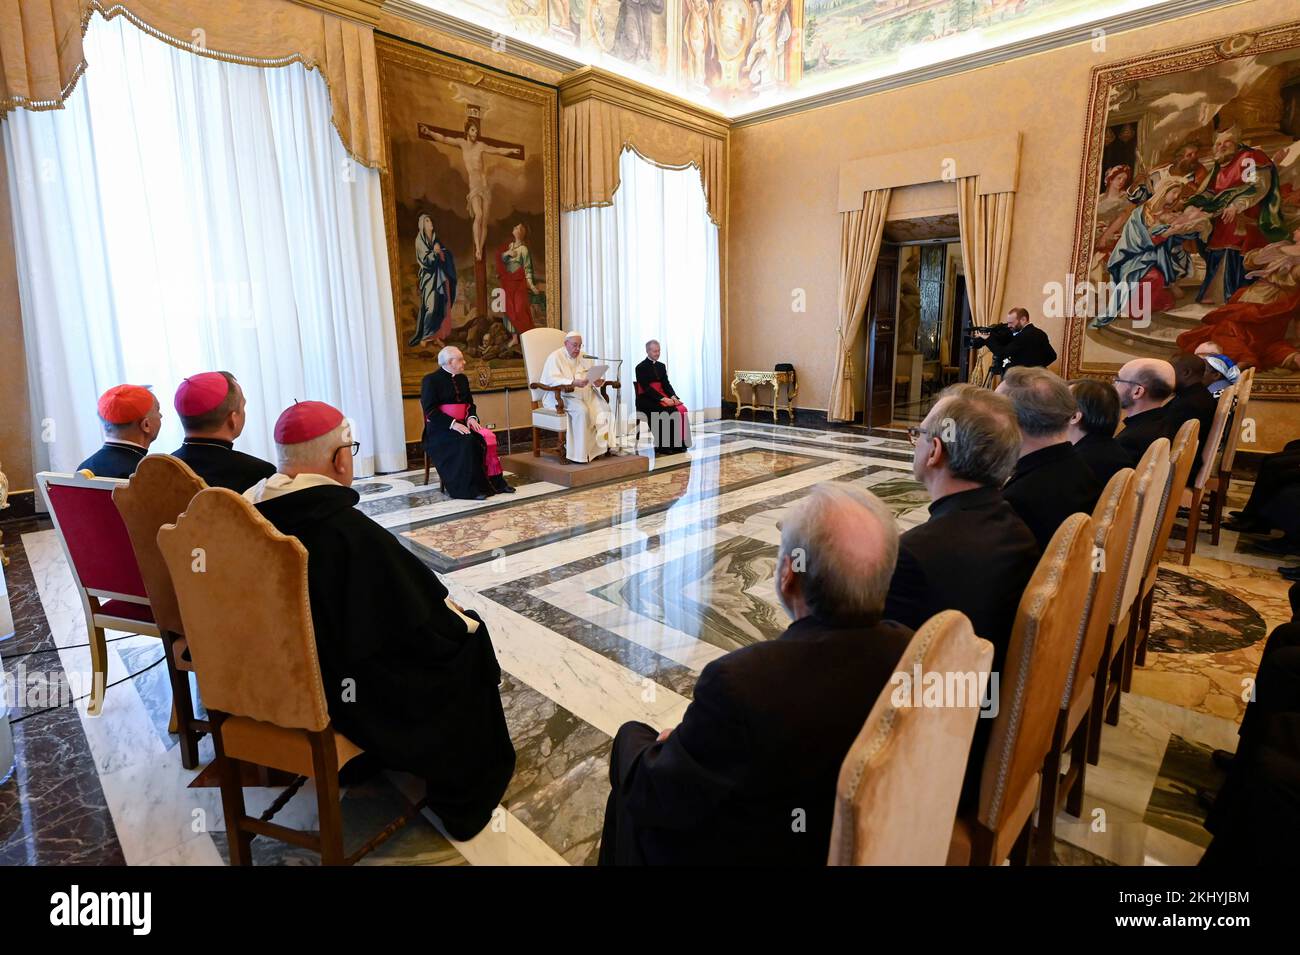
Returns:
<point x="749" y="776"/>
<point x="132" y="419"/>
<point x="1016" y="343"/>
<point x="1144" y="386"/>
<point x="1191" y="401"/>
<point x="462" y="450"/>
<point x="212" y="411"/>
<point x="1092" y="428"/>
<point x="409" y="675"/>
<point x="663" y="410"/>
<point x="1051" y="479"/>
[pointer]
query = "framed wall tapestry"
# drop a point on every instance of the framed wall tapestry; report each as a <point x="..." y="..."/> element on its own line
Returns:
<point x="471" y="207"/>
<point x="1187" y="232"/>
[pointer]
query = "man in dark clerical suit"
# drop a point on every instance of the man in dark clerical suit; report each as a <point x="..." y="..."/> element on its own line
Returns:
<point x="409" y="675"/>
<point x="748" y="777"/>
<point x="131" y="418"/>
<point x="1277" y="472"/>
<point x="1092" y="427"/>
<point x="664" y="411"/>
<point x="1051" y="480"/>
<point x="1016" y="343"/>
<point x="974" y="554"/>
<point x="462" y="450"/>
<point x="212" y="411"/>
<point x="1144" y="386"/>
<point x="1191" y="401"/>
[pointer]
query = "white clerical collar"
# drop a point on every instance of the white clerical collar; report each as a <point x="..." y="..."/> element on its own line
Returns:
<point x="134" y="444"/>
<point x="278" y="485"/>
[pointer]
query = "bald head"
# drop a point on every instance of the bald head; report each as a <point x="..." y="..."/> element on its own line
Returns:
<point x="838" y="550"/>
<point x="1143" y="384"/>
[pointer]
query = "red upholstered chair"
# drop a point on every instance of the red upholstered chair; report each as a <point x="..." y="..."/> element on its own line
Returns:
<point x="103" y="564"/>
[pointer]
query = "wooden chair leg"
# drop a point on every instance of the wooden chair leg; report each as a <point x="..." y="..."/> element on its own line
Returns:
<point x="1098" y="710"/>
<point x="1216" y="508"/>
<point x="426" y="468"/>
<point x="1045" y="834"/>
<point x="1193" y="527"/>
<point x="182" y="705"/>
<point x="232" y="798"/>
<point x="1144" y="628"/>
<point x="1115" y="690"/>
<point x="1130" y="650"/>
<point x="1019" y="854"/>
<point x="99" y="668"/>
<point x="325" y="761"/>
<point x="1079" y="757"/>
<point x="537" y="449"/>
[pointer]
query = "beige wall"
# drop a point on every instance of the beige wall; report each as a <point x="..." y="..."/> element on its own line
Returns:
<point x="784" y="229"/>
<point x="15" y="419"/>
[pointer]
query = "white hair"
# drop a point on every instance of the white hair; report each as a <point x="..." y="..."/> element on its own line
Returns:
<point x="836" y="583"/>
<point x="444" y="356"/>
<point x="316" y="454"/>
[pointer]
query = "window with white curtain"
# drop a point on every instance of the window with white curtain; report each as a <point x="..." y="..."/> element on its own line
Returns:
<point x="184" y="214"/>
<point x="647" y="267"/>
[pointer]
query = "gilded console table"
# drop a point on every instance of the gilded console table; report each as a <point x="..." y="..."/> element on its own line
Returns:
<point x="770" y="379"/>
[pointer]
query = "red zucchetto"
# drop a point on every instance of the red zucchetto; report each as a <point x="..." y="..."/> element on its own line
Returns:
<point x="305" y="420"/>
<point x="199" y="394"/>
<point x="123" y="404"/>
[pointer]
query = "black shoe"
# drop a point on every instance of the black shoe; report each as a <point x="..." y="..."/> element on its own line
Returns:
<point x="1246" y="525"/>
<point x="501" y="485"/>
<point x="480" y="497"/>
<point x="1289" y="573"/>
<point x="1206" y="798"/>
<point x="1222" y="759"/>
<point x="1282" y="545"/>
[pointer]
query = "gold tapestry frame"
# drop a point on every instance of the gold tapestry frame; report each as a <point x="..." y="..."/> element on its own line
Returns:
<point x="1182" y="59"/>
<point x="395" y="52"/>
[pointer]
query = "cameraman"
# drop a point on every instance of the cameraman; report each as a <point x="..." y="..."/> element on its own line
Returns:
<point x="1015" y="343"/>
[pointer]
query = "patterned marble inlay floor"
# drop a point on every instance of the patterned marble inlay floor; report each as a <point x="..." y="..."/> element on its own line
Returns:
<point x="604" y="603"/>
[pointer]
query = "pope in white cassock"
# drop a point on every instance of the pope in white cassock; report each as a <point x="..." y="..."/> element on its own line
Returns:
<point x="590" y="419"/>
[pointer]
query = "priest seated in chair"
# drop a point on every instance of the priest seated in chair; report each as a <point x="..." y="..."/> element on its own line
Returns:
<point x="655" y="399"/>
<point x="592" y="425"/>
<point x="463" y="451"/>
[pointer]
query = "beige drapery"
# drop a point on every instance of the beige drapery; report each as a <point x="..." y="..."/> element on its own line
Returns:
<point x="861" y="233"/>
<point x="594" y="134"/>
<point x="41" y="53"/>
<point x="984" y="224"/>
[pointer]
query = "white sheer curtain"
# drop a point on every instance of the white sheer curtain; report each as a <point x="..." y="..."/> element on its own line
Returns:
<point x="647" y="267"/>
<point x="183" y="214"/>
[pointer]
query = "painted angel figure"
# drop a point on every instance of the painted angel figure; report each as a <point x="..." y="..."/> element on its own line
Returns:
<point x="480" y="190"/>
<point x="765" y="62"/>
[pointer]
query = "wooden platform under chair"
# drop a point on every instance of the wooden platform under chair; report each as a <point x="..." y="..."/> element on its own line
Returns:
<point x="566" y="473"/>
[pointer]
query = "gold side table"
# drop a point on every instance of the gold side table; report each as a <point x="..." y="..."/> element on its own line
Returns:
<point x="770" y="379"/>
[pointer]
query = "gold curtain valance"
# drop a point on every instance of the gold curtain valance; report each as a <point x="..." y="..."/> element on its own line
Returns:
<point x="594" y="134"/>
<point x="41" y="54"/>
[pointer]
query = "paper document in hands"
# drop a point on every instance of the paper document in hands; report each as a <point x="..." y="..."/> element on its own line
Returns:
<point x="596" y="372"/>
<point x="470" y="623"/>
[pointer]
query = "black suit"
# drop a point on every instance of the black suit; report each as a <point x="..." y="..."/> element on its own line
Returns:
<point x="1140" y="430"/>
<point x="1195" y="401"/>
<point x="220" y="465"/>
<point x="1277" y="472"/>
<point x="116" y="459"/>
<point x="1050" y="484"/>
<point x="1104" y="456"/>
<point x="1029" y="348"/>
<point x="749" y="776"/>
<point x="975" y="555"/>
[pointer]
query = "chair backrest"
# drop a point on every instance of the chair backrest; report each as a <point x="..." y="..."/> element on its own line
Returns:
<point x="1152" y="476"/>
<point x="158" y="492"/>
<point x="1112" y="534"/>
<point x="1232" y="438"/>
<point x="1038" y="661"/>
<point x="1181" y="458"/>
<point x="899" y="785"/>
<point x="242" y="590"/>
<point x="537" y="345"/>
<point x="1218" y="424"/>
<point x="93" y="535"/>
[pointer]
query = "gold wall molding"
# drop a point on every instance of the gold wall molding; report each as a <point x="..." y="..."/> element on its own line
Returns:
<point x="994" y="159"/>
<point x="365" y="11"/>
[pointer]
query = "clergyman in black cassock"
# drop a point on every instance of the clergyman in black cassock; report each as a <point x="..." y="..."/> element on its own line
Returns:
<point x="212" y="409"/>
<point x="465" y="457"/>
<point x="131" y="420"/>
<point x="668" y="424"/>
<point x="220" y="465"/>
<point x="1048" y="485"/>
<point x="404" y="678"/>
<point x="116" y="459"/>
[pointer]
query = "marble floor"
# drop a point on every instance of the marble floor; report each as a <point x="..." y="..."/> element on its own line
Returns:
<point x="604" y="603"/>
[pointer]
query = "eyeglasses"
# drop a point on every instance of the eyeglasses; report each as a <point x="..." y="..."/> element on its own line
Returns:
<point x="914" y="435"/>
<point x="355" y="446"/>
<point x="1127" y="381"/>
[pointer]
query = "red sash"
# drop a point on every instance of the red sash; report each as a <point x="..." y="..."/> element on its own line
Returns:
<point x="491" y="462"/>
<point x="658" y="386"/>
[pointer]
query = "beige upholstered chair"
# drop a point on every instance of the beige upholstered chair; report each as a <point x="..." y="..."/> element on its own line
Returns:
<point x="1149" y="485"/>
<point x="1207" y="470"/>
<point x="159" y="491"/>
<point x="1033" y="678"/>
<point x="1112" y="529"/>
<point x="1181" y="458"/>
<point x="1219" y="483"/>
<point x="537" y="345"/>
<point x="257" y="667"/>
<point x="898" y="788"/>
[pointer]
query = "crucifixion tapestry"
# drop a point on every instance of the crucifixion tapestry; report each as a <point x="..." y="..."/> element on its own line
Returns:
<point x="471" y="204"/>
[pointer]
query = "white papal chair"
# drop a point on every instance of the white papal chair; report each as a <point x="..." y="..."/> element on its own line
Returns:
<point x="537" y="345"/>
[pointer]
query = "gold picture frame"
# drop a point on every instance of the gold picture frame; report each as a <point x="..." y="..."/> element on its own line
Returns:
<point x="427" y="99"/>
